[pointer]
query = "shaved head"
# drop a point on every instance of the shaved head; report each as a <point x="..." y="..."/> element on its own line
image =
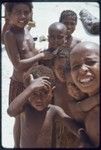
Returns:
<point x="82" y="46"/>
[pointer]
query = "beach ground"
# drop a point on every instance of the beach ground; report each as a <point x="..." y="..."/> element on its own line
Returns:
<point x="44" y="15"/>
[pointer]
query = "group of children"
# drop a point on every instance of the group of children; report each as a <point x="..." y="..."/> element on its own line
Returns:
<point x="65" y="114"/>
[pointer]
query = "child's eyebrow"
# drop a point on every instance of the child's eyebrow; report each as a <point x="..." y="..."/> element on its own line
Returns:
<point x="91" y="58"/>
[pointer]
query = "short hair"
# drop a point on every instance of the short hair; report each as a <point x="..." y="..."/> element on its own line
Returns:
<point x="9" y="6"/>
<point x="41" y="70"/>
<point x="67" y="13"/>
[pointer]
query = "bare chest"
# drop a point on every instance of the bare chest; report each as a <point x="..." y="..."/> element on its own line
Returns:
<point x="25" y="46"/>
<point x="36" y="129"/>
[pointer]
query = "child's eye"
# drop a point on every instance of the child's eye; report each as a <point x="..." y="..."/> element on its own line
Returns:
<point x="90" y="63"/>
<point x="18" y="13"/>
<point x="35" y="94"/>
<point x="75" y="67"/>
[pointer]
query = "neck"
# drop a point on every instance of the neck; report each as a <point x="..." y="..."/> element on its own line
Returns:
<point x="17" y="29"/>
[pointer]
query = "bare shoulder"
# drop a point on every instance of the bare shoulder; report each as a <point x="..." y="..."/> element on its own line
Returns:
<point x="8" y="34"/>
<point x="56" y="109"/>
<point x="9" y="37"/>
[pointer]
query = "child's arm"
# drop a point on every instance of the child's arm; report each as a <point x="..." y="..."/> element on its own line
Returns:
<point x="84" y="105"/>
<point x="17" y="105"/>
<point x="13" y="53"/>
<point x="70" y="123"/>
<point x="73" y="126"/>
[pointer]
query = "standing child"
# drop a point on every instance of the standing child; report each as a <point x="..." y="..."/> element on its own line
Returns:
<point x="37" y="114"/>
<point x="21" y="51"/>
<point x="69" y="19"/>
<point x="84" y="60"/>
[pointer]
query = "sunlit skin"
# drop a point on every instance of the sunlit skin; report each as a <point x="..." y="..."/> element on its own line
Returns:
<point x="40" y="99"/>
<point x="85" y="68"/>
<point x="21" y="14"/>
<point x="70" y="23"/>
<point x="73" y="90"/>
<point x="57" y="39"/>
<point x="56" y="35"/>
<point x="85" y="71"/>
<point x="61" y="97"/>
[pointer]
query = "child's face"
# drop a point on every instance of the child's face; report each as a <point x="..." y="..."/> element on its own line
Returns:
<point x="40" y="99"/>
<point x="70" y="23"/>
<point x="20" y="15"/>
<point x="85" y="69"/>
<point x="72" y="89"/>
<point x="56" y="38"/>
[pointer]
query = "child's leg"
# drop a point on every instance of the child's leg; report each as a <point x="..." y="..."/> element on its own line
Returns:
<point x="15" y="89"/>
<point x="16" y="132"/>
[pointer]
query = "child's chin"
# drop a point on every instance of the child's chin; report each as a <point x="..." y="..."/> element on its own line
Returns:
<point x="39" y="108"/>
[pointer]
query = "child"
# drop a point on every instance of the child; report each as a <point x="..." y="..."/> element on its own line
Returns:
<point x="21" y="51"/>
<point x="57" y="38"/>
<point x="80" y="103"/>
<point x="69" y="19"/>
<point x="6" y="26"/>
<point x="37" y="114"/>
<point x="84" y="60"/>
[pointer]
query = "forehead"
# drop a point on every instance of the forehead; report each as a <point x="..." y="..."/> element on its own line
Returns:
<point x="84" y="52"/>
<point x="69" y="18"/>
<point x="21" y="7"/>
<point x="55" y="31"/>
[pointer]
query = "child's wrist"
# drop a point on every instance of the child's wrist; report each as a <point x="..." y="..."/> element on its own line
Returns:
<point x="32" y="86"/>
<point x="41" y="55"/>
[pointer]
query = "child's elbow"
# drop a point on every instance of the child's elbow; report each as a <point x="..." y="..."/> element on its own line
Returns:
<point x="9" y="112"/>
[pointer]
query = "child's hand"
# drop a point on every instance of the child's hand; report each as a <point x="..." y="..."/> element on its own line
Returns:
<point x="40" y="83"/>
<point x="47" y="55"/>
<point x="84" y="138"/>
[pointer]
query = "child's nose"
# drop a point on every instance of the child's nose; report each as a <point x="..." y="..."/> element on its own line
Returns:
<point x="39" y="99"/>
<point x="83" y="68"/>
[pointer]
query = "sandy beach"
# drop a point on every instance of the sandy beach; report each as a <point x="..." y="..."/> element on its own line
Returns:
<point x="44" y="14"/>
